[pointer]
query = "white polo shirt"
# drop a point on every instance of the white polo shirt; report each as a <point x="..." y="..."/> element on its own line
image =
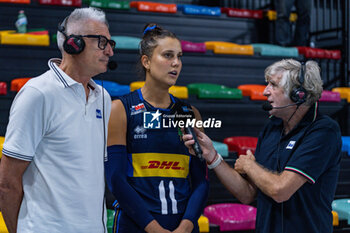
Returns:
<point x="52" y="125"/>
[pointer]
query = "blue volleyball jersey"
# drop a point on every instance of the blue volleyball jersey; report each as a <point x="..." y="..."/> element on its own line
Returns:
<point x="158" y="161"/>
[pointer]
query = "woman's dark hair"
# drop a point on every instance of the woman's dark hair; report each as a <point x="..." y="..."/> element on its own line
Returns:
<point x="151" y="34"/>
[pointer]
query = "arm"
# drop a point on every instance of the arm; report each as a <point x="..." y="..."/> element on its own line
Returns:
<point x="116" y="167"/>
<point x="23" y="134"/>
<point x="308" y="162"/>
<point x="241" y="188"/>
<point x="278" y="186"/>
<point x="11" y="189"/>
<point x="199" y="195"/>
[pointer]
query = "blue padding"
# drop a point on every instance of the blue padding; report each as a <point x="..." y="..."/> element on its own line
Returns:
<point x="114" y="89"/>
<point x="346" y="144"/>
<point x="199" y="10"/>
<point x="275" y="50"/>
<point x="221" y="148"/>
<point x="126" y="42"/>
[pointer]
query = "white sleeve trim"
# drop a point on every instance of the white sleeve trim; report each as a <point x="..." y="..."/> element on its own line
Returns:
<point x="16" y="155"/>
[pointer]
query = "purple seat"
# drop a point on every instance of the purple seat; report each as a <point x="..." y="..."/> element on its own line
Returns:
<point x="192" y="47"/>
<point x="330" y="96"/>
<point x="231" y="217"/>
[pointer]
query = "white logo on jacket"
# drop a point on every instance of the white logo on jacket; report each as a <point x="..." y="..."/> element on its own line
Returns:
<point x="290" y="145"/>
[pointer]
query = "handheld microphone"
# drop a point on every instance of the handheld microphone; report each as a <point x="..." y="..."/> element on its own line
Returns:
<point x="196" y="147"/>
<point x="185" y="113"/>
<point x="112" y="65"/>
<point x="267" y="106"/>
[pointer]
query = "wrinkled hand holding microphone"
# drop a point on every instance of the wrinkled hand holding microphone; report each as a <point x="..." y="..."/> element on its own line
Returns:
<point x="185" y="113"/>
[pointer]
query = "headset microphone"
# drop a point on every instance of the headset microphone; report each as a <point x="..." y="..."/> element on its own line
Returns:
<point x="267" y="106"/>
<point x="112" y="65"/>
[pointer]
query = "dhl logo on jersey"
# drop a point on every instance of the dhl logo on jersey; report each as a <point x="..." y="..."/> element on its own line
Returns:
<point x="160" y="164"/>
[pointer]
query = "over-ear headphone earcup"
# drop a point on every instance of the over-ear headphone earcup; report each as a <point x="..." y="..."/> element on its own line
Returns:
<point x="73" y="44"/>
<point x="298" y="95"/>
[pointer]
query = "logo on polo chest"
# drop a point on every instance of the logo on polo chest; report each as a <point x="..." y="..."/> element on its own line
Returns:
<point x="290" y="145"/>
<point x="98" y="113"/>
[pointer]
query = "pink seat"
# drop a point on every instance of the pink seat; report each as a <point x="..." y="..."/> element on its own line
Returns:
<point x="312" y="52"/>
<point x="231" y="217"/>
<point x="330" y="96"/>
<point x="241" y="144"/>
<point x="242" y="13"/>
<point x="188" y="46"/>
<point x="3" y="88"/>
<point x="336" y="54"/>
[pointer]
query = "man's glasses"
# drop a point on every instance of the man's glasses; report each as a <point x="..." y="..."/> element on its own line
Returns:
<point x="102" y="41"/>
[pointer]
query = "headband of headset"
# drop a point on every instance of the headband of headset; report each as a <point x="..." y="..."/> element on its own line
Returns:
<point x="72" y="44"/>
<point x="299" y="94"/>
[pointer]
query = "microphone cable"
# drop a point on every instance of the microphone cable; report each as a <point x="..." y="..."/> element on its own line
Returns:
<point x="104" y="155"/>
<point x="112" y="65"/>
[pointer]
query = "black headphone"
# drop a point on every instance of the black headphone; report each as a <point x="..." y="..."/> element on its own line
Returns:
<point x="298" y="95"/>
<point x="73" y="44"/>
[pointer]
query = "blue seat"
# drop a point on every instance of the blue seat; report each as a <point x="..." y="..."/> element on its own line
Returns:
<point x="342" y="207"/>
<point x="221" y="148"/>
<point x="199" y="10"/>
<point x="126" y="42"/>
<point x="345" y="144"/>
<point x="275" y="50"/>
<point x="114" y="89"/>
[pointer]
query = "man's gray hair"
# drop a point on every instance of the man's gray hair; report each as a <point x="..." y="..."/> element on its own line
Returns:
<point x="289" y="70"/>
<point x="75" y="22"/>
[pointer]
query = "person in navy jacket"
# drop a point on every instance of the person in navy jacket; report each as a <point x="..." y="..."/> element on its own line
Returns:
<point x="294" y="171"/>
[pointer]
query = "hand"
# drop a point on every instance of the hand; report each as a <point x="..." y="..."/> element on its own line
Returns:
<point x="250" y="155"/>
<point x="159" y="230"/>
<point x="186" y="226"/>
<point x="205" y="143"/>
<point x="155" y="227"/>
<point x="242" y="163"/>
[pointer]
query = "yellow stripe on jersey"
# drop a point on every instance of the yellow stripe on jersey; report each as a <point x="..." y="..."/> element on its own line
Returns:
<point x="160" y="165"/>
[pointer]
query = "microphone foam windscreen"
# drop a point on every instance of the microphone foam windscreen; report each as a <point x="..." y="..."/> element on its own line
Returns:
<point x="112" y="65"/>
<point x="267" y="106"/>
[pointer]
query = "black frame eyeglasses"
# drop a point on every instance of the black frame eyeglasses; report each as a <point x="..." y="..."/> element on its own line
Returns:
<point x="102" y="41"/>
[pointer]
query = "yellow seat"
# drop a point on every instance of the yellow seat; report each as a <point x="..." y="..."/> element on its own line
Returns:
<point x="234" y="49"/>
<point x="136" y="85"/>
<point x="272" y="15"/>
<point x="2" y="140"/>
<point x="13" y="38"/>
<point x="210" y="45"/>
<point x="344" y="92"/>
<point x="293" y="17"/>
<point x="3" y="228"/>
<point x="221" y="47"/>
<point x="335" y="218"/>
<point x="203" y="223"/>
<point x="180" y="92"/>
